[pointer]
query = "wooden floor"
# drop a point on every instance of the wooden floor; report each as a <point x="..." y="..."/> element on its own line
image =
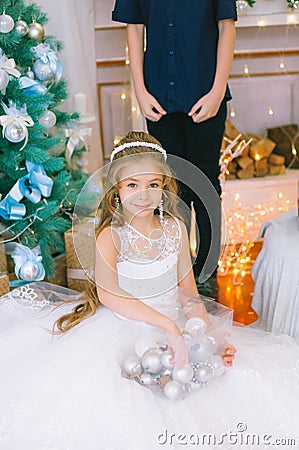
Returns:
<point x="239" y="297"/>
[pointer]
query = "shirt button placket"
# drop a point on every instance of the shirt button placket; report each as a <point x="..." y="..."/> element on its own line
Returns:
<point x="171" y="52"/>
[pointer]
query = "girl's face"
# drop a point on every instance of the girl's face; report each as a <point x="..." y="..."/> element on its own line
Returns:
<point x="140" y="189"/>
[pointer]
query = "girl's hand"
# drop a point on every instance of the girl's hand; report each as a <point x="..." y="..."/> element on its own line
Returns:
<point x="178" y="346"/>
<point x="228" y="355"/>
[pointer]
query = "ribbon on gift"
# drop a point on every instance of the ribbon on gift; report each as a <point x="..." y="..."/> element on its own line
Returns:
<point x="22" y="254"/>
<point x="48" y="56"/>
<point x="33" y="186"/>
<point x="76" y="140"/>
<point x="32" y="87"/>
<point x="16" y="114"/>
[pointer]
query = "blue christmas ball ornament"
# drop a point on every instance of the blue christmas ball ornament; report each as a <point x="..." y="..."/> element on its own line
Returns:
<point x="43" y="70"/>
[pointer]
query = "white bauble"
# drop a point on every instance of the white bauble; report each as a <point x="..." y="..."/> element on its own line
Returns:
<point x="6" y="23"/>
<point x="196" y="326"/>
<point x="15" y="131"/>
<point x="184" y="374"/>
<point x="201" y="350"/>
<point x="204" y="373"/>
<point x="173" y="390"/>
<point x="43" y="71"/>
<point x="151" y="360"/>
<point x="131" y="365"/>
<point x="30" y="271"/>
<point x="147" y="379"/>
<point x="47" y="119"/>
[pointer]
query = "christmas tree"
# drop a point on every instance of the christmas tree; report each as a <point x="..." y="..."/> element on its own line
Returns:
<point x="38" y="187"/>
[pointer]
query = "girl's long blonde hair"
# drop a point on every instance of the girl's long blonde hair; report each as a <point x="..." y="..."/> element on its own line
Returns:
<point x="110" y="211"/>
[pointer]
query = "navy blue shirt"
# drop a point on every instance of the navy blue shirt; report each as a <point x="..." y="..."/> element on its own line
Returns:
<point x="181" y="46"/>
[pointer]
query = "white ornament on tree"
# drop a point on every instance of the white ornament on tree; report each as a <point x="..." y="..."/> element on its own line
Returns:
<point x="21" y="27"/>
<point x="6" y="23"/>
<point x="15" y="131"/>
<point x="47" y="119"/>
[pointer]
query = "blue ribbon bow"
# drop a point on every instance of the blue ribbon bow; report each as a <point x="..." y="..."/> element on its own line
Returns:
<point x="48" y="56"/>
<point x="33" y="186"/>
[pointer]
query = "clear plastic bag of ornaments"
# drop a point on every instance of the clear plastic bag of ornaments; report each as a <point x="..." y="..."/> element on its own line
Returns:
<point x="205" y="326"/>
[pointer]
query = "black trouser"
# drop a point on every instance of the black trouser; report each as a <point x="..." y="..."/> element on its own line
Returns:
<point x="200" y="144"/>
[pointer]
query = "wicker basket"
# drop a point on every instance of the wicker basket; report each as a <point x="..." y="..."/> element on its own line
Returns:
<point x="4" y="284"/>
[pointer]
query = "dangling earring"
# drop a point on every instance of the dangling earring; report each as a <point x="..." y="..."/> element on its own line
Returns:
<point x="117" y="201"/>
<point x="160" y="208"/>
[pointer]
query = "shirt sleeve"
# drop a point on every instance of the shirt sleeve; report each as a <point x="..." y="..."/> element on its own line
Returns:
<point x="127" y="11"/>
<point x="226" y="9"/>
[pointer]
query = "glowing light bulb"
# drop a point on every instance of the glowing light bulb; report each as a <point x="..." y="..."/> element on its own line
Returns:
<point x="127" y="61"/>
<point x="257" y="157"/>
<point x="270" y="111"/>
<point x="232" y="113"/>
<point x="280" y="195"/>
<point x="123" y="96"/>
<point x="116" y="141"/>
<point x="294" y="150"/>
<point x="291" y="19"/>
<point x="281" y="65"/>
<point x="134" y="109"/>
<point x="246" y="70"/>
<point x="261" y="22"/>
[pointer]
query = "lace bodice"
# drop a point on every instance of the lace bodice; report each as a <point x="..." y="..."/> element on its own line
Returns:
<point x="147" y="266"/>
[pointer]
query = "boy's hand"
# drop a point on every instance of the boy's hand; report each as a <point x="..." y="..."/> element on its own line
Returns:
<point x="150" y="107"/>
<point x="206" y="107"/>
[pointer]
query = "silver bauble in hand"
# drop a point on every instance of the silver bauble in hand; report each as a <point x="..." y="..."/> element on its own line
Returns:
<point x="4" y="79"/>
<point x="47" y="119"/>
<point x="6" y="23"/>
<point x="43" y="71"/>
<point x="184" y="374"/>
<point x="200" y="350"/>
<point x="151" y="360"/>
<point x="15" y="131"/>
<point x="21" y="28"/>
<point x="131" y="365"/>
<point x="196" y="326"/>
<point x="36" y="31"/>
<point x="30" y="271"/>
<point x="173" y="390"/>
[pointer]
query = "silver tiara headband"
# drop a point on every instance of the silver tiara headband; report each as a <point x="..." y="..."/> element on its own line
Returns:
<point x="138" y="144"/>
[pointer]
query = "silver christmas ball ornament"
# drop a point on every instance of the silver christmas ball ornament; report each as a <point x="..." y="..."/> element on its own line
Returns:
<point x="203" y="373"/>
<point x="184" y="374"/>
<point x="15" y="131"/>
<point x="21" y="27"/>
<point x="36" y="31"/>
<point x="4" y="79"/>
<point x="200" y="351"/>
<point x="43" y="71"/>
<point x="30" y="271"/>
<point x="6" y="23"/>
<point x="147" y="379"/>
<point x="131" y="366"/>
<point x="165" y="359"/>
<point x="151" y="360"/>
<point x="47" y="119"/>
<point x="173" y="390"/>
<point x="196" y="326"/>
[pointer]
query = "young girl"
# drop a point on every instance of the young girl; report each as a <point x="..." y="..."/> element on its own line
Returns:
<point x="68" y="393"/>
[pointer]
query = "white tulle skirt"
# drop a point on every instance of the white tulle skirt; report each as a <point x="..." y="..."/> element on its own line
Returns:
<point x="66" y="392"/>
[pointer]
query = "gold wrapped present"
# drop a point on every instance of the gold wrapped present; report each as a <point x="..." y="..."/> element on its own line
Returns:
<point x="80" y="253"/>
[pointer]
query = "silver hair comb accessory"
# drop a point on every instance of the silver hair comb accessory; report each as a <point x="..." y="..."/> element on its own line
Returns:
<point x="138" y="144"/>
